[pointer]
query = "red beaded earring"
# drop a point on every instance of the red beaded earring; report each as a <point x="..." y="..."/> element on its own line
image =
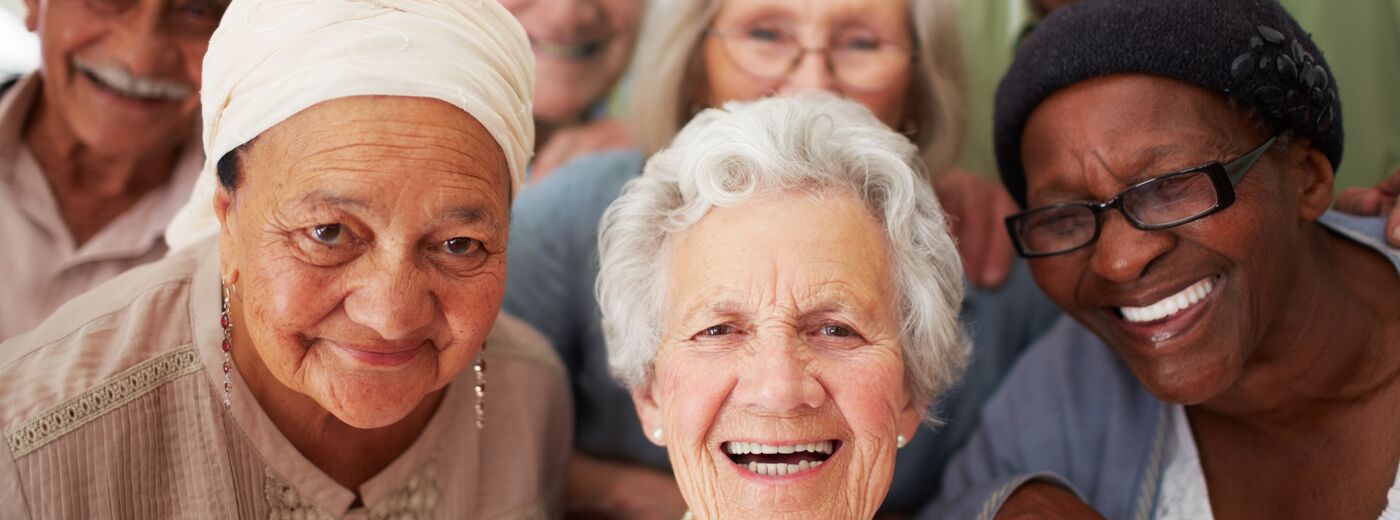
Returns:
<point x="227" y="323"/>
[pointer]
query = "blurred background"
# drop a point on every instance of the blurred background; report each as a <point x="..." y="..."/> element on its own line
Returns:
<point x="19" y="50"/>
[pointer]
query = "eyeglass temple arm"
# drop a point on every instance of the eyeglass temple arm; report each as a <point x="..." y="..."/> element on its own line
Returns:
<point x="1241" y="166"/>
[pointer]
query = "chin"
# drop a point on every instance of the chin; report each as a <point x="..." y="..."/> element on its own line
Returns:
<point x="370" y="406"/>
<point x="1187" y="383"/>
<point x="562" y="109"/>
<point x="114" y="136"/>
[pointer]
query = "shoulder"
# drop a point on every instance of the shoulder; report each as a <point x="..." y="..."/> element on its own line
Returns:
<point x="512" y="340"/>
<point x="1368" y="231"/>
<point x="529" y="417"/>
<point x="1068" y="385"/>
<point x="585" y="185"/>
<point x="99" y="351"/>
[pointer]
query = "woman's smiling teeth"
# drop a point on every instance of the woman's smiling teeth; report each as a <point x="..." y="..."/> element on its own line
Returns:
<point x="779" y="459"/>
<point x="1170" y="305"/>
<point x="574" y="51"/>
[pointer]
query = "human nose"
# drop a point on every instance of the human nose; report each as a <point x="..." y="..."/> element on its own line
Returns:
<point x="140" y="41"/>
<point x="776" y="380"/>
<point x="1124" y="252"/>
<point x="812" y="72"/>
<point x="568" y="19"/>
<point x="394" y="300"/>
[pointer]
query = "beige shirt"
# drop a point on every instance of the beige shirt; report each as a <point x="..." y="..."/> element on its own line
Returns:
<point x="40" y="267"/>
<point x="113" y="409"/>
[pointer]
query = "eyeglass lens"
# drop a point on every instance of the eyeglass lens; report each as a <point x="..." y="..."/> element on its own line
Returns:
<point x="859" y="60"/>
<point x="1162" y="202"/>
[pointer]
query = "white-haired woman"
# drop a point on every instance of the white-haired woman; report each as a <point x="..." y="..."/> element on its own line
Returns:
<point x="898" y="58"/>
<point x="781" y="295"/>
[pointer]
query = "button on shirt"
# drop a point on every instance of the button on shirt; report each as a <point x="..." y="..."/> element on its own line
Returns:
<point x="40" y="266"/>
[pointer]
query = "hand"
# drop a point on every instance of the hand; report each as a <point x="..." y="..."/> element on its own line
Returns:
<point x="567" y="143"/>
<point x="1379" y="200"/>
<point x="1040" y="500"/>
<point x="601" y="489"/>
<point x="976" y="209"/>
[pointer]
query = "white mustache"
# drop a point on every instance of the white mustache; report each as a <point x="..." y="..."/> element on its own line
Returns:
<point x="119" y="79"/>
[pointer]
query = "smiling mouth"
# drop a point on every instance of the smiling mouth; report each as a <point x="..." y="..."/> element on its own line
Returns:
<point x="780" y="459"/>
<point x="122" y="83"/>
<point x="382" y="355"/>
<point x="571" y="51"/>
<point x="1171" y="305"/>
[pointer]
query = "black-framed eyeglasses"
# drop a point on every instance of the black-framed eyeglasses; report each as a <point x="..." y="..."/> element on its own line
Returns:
<point x="1158" y="203"/>
<point x="772" y="52"/>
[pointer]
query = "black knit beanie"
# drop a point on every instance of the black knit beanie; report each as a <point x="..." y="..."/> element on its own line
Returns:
<point x="1250" y="50"/>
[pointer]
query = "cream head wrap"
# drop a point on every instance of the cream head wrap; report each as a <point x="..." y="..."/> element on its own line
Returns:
<point x="270" y="59"/>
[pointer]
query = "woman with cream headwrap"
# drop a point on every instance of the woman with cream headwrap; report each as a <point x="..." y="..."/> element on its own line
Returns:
<point x="312" y="360"/>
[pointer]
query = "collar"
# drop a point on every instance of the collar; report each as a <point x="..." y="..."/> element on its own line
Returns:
<point x="133" y="234"/>
<point x="281" y="457"/>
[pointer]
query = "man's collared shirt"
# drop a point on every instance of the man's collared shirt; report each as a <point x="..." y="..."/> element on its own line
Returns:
<point x="40" y="265"/>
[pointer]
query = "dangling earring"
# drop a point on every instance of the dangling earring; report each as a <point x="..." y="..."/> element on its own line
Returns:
<point x="227" y="323"/>
<point x="480" y="369"/>
<point x="900" y="441"/>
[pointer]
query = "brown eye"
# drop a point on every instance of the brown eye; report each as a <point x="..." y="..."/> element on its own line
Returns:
<point x="328" y="234"/>
<point x="836" y="330"/>
<point x="461" y="246"/>
<point x="718" y="330"/>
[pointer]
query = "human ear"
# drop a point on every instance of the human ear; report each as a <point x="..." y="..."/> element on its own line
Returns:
<point x="31" y="15"/>
<point x="1315" y="178"/>
<point x="650" y="413"/>
<point x="910" y="418"/>
<point x="228" y="234"/>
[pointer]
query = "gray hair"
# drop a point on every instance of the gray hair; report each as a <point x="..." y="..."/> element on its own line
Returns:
<point x="666" y="73"/>
<point x="811" y="144"/>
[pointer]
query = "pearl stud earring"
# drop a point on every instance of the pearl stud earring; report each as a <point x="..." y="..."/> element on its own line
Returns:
<point x="901" y="441"/>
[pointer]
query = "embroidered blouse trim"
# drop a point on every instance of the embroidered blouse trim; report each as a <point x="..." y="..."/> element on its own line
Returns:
<point x="88" y="406"/>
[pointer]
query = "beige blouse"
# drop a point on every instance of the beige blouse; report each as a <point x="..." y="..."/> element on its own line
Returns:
<point x="40" y="266"/>
<point x="112" y="409"/>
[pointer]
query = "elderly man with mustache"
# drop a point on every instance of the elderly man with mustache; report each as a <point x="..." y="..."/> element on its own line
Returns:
<point x="98" y="149"/>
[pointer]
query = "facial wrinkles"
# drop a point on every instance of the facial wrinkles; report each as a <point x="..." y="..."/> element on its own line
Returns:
<point x="1246" y="247"/>
<point x="776" y="290"/>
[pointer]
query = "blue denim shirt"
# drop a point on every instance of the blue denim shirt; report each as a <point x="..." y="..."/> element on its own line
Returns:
<point x="553" y="264"/>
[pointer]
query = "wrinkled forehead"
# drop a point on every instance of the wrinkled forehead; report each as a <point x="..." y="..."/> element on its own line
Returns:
<point x="788" y="249"/>
<point x="1131" y="126"/>
<point x="391" y="136"/>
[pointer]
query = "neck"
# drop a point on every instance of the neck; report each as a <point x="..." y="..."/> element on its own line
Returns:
<point x="322" y="438"/>
<point x="66" y="160"/>
<point x="1328" y="349"/>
